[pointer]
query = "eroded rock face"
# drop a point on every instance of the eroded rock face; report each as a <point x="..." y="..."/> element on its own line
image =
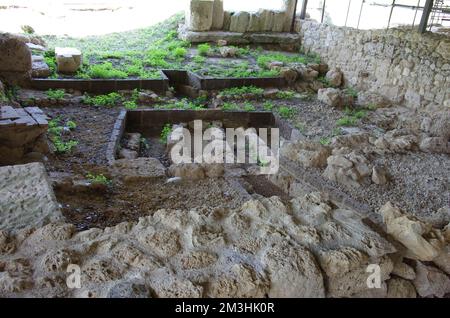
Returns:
<point x="400" y="288"/>
<point x="334" y="97"/>
<point x="309" y="154"/>
<point x="430" y="281"/>
<point x="335" y="77"/>
<point x="348" y="169"/>
<point x="26" y="197"/>
<point x="422" y="241"/>
<point x="15" y="56"/>
<point x="264" y="248"/>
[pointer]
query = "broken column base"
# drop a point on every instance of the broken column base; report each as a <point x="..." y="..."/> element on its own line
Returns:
<point x="239" y="38"/>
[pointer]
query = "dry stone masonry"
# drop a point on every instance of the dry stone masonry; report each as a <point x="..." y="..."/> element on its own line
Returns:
<point x="404" y="66"/>
<point x="22" y="134"/>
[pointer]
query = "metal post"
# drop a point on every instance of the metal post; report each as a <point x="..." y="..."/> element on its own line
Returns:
<point x="415" y="13"/>
<point x="323" y="10"/>
<point x="360" y="13"/>
<point x="348" y="11"/>
<point x="303" y="12"/>
<point x="425" y="16"/>
<point x="390" y="14"/>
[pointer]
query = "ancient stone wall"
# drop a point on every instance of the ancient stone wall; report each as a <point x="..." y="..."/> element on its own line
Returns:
<point x="407" y="67"/>
<point x="209" y="15"/>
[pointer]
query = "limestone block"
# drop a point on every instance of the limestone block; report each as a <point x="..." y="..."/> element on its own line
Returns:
<point x="199" y="16"/>
<point x="239" y="22"/>
<point x="26" y="197"/>
<point x="218" y="15"/>
<point x="40" y="69"/>
<point x="226" y="20"/>
<point x="278" y="21"/>
<point x="254" y="24"/>
<point x="266" y="19"/>
<point x="15" y="56"/>
<point x="289" y="11"/>
<point x="68" y="59"/>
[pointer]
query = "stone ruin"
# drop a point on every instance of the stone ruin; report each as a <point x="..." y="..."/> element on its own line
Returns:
<point x="207" y="15"/>
<point x="206" y="20"/>
<point x="22" y="134"/>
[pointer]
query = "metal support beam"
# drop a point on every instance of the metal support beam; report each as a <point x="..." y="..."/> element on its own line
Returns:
<point x="323" y="10"/>
<point x="425" y="15"/>
<point x="303" y="12"/>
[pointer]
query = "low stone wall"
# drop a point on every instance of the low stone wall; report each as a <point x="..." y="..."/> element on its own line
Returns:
<point x="407" y="67"/>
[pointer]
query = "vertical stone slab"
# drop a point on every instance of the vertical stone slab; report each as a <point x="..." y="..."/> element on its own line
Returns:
<point x="289" y="10"/>
<point x="255" y="24"/>
<point x="266" y="19"/>
<point x="239" y="22"/>
<point x="227" y="20"/>
<point x="199" y="15"/>
<point x="278" y="21"/>
<point x="218" y="15"/>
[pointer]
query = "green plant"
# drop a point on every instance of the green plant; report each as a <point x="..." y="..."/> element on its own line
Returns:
<point x="238" y="91"/>
<point x="285" y="94"/>
<point x="268" y="106"/>
<point x="110" y="99"/>
<point x="179" y="52"/>
<point x="325" y="81"/>
<point x="286" y="112"/>
<point x="56" y="94"/>
<point x="199" y="59"/>
<point x="325" y="141"/>
<point x="98" y="179"/>
<point x="105" y="70"/>
<point x="264" y="60"/>
<point x="71" y="125"/>
<point x="130" y="104"/>
<point x="62" y="146"/>
<point x="203" y="49"/>
<point x="249" y="107"/>
<point x="165" y="133"/>
<point x="351" y="92"/>
<point x="347" y="121"/>
<point x="55" y="129"/>
<point x="230" y="107"/>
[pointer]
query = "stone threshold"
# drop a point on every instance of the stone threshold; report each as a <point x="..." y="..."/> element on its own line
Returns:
<point x="239" y="38"/>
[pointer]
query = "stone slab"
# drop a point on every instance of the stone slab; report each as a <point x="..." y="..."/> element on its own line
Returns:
<point x="26" y="197"/>
<point x="239" y="37"/>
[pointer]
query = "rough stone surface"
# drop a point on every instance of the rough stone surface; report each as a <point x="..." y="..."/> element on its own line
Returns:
<point x="40" y="69"/>
<point x="335" y="77"/>
<point x="422" y="241"/>
<point x="15" y="56"/>
<point x="255" y="23"/>
<point x="309" y="154"/>
<point x="348" y="169"/>
<point x="400" y="288"/>
<point x="266" y="247"/>
<point x="218" y="15"/>
<point x="239" y="22"/>
<point x="199" y="16"/>
<point x="402" y="66"/>
<point x="68" y="60"/>
<point x="334" y="97"/>
<point x="278" y="21"/>
<point x="140" y="168"/>
<point x="26" y="197"/>
<point x="430" y="281"/>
